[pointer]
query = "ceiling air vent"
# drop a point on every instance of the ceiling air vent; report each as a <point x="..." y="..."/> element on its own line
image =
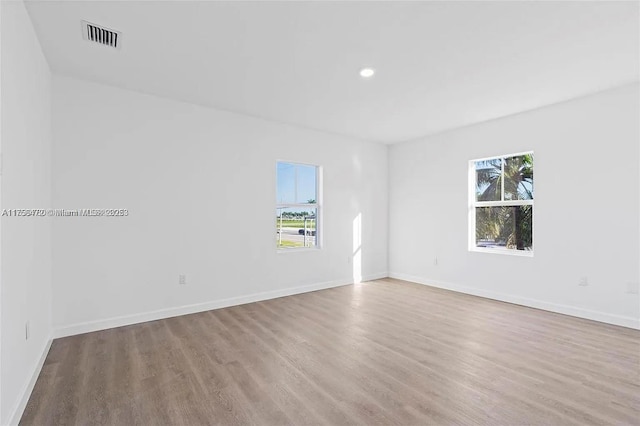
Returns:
<point x="101" y="35"/>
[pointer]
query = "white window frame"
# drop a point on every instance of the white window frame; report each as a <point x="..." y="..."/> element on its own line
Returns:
<point x="317" y="205"/>
<point x="473" y="204"/>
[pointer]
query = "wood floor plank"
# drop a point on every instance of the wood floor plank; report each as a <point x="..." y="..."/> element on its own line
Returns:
<point x="382" y="352"/>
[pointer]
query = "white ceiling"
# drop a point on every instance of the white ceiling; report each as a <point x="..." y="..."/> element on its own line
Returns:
<point x="439" y="65"/>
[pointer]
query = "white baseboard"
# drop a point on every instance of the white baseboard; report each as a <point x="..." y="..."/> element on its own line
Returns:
<point x="620" y="320"/>
<point x="17" y="412"/>
<point x="378" y="276"/>
<point x="87" y="327"/>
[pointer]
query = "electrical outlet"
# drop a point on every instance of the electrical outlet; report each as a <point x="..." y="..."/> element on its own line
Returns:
<point x="632" y="287"/>
<point x="435" y="261"/>
<point x="27" y="332"/>
<point x="182" y="279"/>
<point x="583" y="282"/>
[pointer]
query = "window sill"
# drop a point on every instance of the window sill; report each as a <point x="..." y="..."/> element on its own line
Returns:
<point x="297" y="250"/>
<point x="507" y="252"/>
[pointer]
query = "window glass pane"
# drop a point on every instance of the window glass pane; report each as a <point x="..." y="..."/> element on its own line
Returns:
<point x="489" y="180"/>
<point x="518" y="177"/>
<point x="306" y="176"/>
<point x="296" y="227"/>
<point x="286" y="183"/>
<point x="505" y="227"/>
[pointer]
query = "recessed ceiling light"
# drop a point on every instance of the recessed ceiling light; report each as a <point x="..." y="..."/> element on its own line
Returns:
<point x="367" y="72"/>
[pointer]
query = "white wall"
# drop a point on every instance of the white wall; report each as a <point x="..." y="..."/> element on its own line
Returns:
<point x="586" y="208"/>
<point x="26" y="183"/>
<point x="200" y="187"/>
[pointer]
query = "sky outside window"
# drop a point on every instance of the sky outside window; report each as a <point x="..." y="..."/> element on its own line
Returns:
<point x="296" y="183"/>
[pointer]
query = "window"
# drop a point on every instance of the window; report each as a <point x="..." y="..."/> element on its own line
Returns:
<point x="298" y="207"/>
<point x="501" y="199"/>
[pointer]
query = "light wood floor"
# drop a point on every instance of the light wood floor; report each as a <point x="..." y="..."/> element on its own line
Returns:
<point x="384" y="352"/>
